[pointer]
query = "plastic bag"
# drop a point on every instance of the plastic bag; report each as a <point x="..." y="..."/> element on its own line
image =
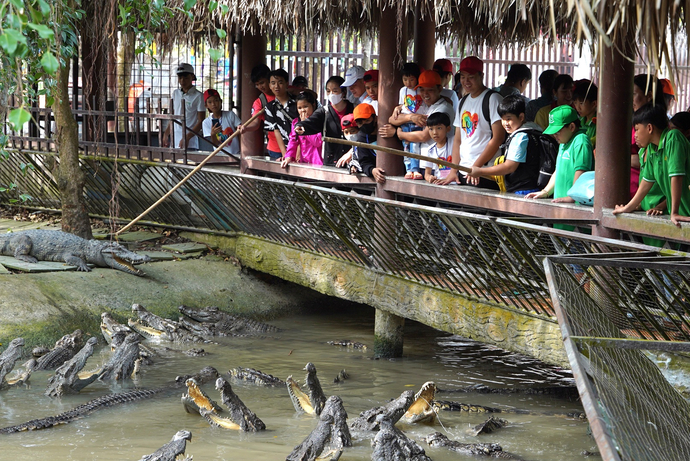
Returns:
<point x="583" y="189"/>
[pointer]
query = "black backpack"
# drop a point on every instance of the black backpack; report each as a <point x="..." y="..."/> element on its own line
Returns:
<point x="546" y="150"/>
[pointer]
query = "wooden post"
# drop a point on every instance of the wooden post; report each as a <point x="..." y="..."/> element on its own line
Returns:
<point x="252" y="53"/>
<point x="614" y="119"/>
<point x="424" y="38"/>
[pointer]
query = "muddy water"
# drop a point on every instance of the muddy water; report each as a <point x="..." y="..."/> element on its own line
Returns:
<point x="133" y="430"/>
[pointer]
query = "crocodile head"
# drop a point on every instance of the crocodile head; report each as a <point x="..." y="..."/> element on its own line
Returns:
<point x="196" y="399"/>
<point x="118" y="257"/>
<point x="202" y="314"/>
<point x="421" y="410"/>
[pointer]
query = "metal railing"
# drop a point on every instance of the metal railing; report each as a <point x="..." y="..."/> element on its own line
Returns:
<point x="611" y="308"/>
<point x="495" y="260"/>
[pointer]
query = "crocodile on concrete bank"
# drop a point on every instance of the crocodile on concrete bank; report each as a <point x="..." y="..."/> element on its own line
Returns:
<point x="32" y="246"/>
<point x="391" y="444"/>
<point x="250" y="375"/>
<point x="221" y="323"/>
<point x="421" y="410"/>
<point x="173" y="450"/>
<point x="392" y="411"/>
<point x="64" y="349"/>
<point x="8" y="359"/>
<point x="313" y="403"/>
<point x="330" y="437"/>
<point x="492" y="450"/>
<point x="205" y="375"/>
<point x="66" y="379"/>
<point x="158" y="327"/>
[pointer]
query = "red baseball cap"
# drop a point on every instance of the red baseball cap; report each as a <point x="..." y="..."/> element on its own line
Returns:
<point x="443" y="65"/>
<point x="363" y="111"/>
<point x="371" y="75"/>
<point x="472" y="65"/>
<point x="347" y="121"/>
<point x="428" y="79"/>
<point x="210" y="92"/>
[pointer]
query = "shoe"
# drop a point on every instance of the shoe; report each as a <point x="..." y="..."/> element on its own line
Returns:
<point x="409" y="175"/>
<point x="417" y="176"/>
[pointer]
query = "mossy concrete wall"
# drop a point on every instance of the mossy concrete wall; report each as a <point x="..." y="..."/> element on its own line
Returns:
<point x="507" y="328"/>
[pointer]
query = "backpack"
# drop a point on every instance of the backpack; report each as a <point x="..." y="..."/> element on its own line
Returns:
<point x="547" y="148"/>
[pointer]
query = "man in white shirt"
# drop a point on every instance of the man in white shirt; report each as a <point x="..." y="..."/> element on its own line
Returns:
<point x="189" y="101"/>
<point x="356" y="92"/>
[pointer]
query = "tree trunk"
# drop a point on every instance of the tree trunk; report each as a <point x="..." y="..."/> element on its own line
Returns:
<point x="70" y="177"/>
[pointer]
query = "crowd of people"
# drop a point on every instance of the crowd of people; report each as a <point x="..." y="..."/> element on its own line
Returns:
<point x="499" y="138"/>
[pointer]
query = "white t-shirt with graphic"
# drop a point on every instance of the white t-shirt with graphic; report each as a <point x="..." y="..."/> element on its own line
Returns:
<point x="410" y="100"/>
<point x="228" y="122"/>
<point x="475" y="131"/>
<point x="441" y="153"/>
<point x="439" y="106"/>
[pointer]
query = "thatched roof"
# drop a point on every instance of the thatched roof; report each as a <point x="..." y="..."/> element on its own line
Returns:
<point x="492" y="22"/>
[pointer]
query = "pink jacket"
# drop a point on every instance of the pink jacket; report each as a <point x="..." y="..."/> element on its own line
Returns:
<point x="310" y="146"/>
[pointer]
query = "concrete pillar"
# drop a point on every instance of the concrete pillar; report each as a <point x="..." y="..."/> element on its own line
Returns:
<point x="424" y="38"/>
<point x="614" y="119"/>
<point x="252" y="52"/>
<point x="390" y="82"/>
<point x="388" y="334"/>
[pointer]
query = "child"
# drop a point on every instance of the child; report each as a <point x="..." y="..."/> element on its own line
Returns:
<point x="259" y="77"/>
<point x="521" y="166"/>
<point x="562" y="95"/>
<point x="442" y="137"/>
<point x="667" y="164"/>
<point x="410" y="101"/>
<point x="189" y="101"/>
<point x="305" y="148"/>
<point x="221" y="123"/>
<point x="364" y="159"/>
<point x="574" y="154"/>
<point x="371" y="85"/>
<point x="585" y="102"/>
<point x="280" y="112"/>
<point x="350" y="131"/>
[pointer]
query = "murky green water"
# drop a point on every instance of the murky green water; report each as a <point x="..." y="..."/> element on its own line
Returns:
<point x="133" y="430"/>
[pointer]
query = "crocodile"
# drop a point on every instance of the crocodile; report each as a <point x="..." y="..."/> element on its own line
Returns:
<point x="196" y="400"/>
<point x="488" y="426"/>
<point x="160" y="328"/>
<point x="391" y="444"/>
<point x="122" y="364"/>
<point x="447" y="405"/>
<point x="36" y="245"/>
<point x="240" y="415"/>
<point x="313" y="403"/>
<point x="225" y="324"/>
<point x="566" y="392"/>
<point x="110" y="327"/>
<point x="342" y="376"/>
<point x="492" y="450"/>
<point x="173" y="450"/>
<point x="250" y="375"/>
<point x="8" y="359"/>
<point x="349" y="344"/>
<point x="66" y="379"/>
<point x="421" y="410"/>
<point x="329" y="438"/>
<point x="64" y="349"/>
<point x="22" y="377"/>
<point x="392" y="411"/>
<point x="107" y="401"/>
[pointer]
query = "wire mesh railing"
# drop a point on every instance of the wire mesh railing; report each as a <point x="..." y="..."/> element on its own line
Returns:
<point x="611" y="308"/>
<point x="491" y="259"/>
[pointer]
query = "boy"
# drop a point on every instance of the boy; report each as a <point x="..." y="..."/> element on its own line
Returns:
<point x="667" y="163"/>
<point x="364" y="159"/>
<point x="585" y="102"/>
<point x="445" y="70"/>
<point x="259" y="77"/>
<point x="189" y="101"/>
<point x="409" y="101"/>
<point x="478" y="133"/>
<point x="517" y="79"/>
<point x="442" y="138"/>
<point x="574" y="154"/>
<point x="221" y="123"/>
<point x="371" y="86"/>
<point x="546" y="79"/>
<point x="350" y="130"/>
<point x="521" y="165"/>
<point x="280" y="112"/>
<point x="562" y="96"/>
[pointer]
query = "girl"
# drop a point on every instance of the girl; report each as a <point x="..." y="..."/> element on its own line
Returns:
<point x="327" y="119"/>
<point x="304" y="148"/>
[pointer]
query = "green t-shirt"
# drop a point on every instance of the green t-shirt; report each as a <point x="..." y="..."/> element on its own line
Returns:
<point x="671" y="158"/>
<point x="654" y="196"/>
<point x="590" y="129"/>
<point x="575" y="155"/>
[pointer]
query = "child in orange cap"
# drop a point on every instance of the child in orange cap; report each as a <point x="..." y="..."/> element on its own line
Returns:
<point x="364" y="159"/>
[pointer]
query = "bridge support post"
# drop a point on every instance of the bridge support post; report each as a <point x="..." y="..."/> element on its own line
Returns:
<point x="252" y="53"/>
<point x="388" y="334"/>
<point x="424" y="37"/>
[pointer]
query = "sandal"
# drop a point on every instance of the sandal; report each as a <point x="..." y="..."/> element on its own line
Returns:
<point x="409" y="175"/>
<point x="417" y="176"/>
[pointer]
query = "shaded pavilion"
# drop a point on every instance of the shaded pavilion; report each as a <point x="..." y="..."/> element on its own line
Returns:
<point x="613" y="29"/>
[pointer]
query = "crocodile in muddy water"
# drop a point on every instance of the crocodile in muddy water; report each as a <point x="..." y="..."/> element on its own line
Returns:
<point x="330" y="437"/>
<point x="491" y="450"/>
<point x="205" y="375"/>
<point x="152" y="326"/>
<point x="392" y="411"/>
<point x="218" y="323"/>
<point x="64" y="349"/>
<point x="32" y="246"/>
<point x="391" y="443"/>
<point x="313" y="403"/>
<point x="173" y="450"/>
<point x="67" y="379"/>
<point x="252" y="376"/>
<point x="8" y="359"/>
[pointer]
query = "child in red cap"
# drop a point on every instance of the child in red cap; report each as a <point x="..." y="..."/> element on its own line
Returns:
<point x="221" y="123"/>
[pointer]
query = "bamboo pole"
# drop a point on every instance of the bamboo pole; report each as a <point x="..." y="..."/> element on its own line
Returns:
<point x="191" y="173"/>
<point x="397" y="152"/>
